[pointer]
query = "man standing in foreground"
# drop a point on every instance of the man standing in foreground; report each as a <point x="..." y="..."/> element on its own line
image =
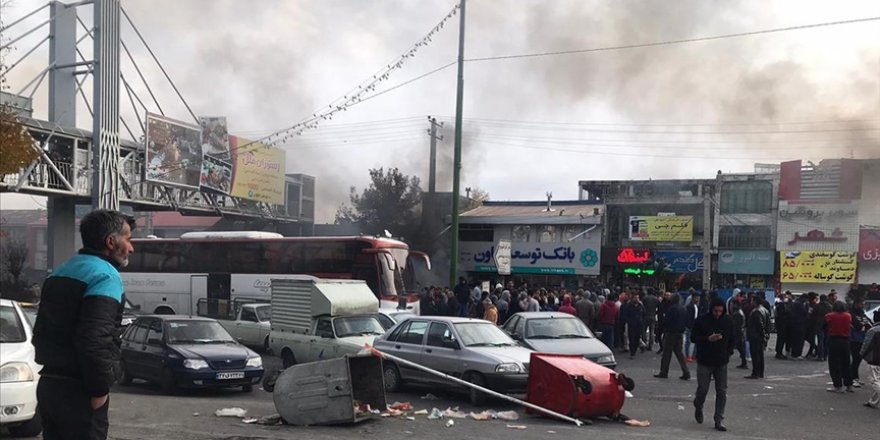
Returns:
<point x="871" y="353"/>
<point x="713" y="336"/>
<point x="673" y="331"/>
<point x="76" y="334"/>
<point x="758" y="333"/>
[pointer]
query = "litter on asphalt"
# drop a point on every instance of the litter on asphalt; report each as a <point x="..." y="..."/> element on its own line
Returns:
<point x="231" y="412"/>
<point x="517" y="426"/>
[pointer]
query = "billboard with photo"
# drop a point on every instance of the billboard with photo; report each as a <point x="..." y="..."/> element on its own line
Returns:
<point x="661" y="228"/>
<point x="258" y="172"/>
<point x="215" y="137"/>
<point x="216" y="175"/>
<point x="173" y="152"/>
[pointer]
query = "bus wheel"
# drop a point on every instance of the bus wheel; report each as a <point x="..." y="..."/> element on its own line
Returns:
<point x="163" y="310"/>
<point x="287" y="358"/>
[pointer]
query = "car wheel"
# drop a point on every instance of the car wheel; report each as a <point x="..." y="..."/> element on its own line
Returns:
<point x="123" y="377"/>
<point x="287" y="358"/>
<point x="31" y="428"/>
<point x="477" y="398"/>
<point x="169" y="384"/>
<point x="393" y="381"/>
<point x="247" y="388"/>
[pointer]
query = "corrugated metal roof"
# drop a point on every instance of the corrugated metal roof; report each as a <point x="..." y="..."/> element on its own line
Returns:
<point x="539" y="209"/>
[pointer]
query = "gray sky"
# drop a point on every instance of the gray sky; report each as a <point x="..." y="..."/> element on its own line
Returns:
<point x="532" y="125"/>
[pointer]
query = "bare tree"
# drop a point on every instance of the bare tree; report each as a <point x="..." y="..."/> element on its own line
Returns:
<point x="14" y="259"/>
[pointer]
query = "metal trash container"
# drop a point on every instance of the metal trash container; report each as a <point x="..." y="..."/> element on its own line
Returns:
<point x="326" y="392"/>
<point x="576" y="387"/>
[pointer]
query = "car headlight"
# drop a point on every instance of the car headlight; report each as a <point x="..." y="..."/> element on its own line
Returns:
<point x="126" y="322"/>
<point x="607" y="359"/>
<point x="16" y="372"/>
<point x="195" y="364"/>
<point x="255" y="362"/>
<point x="509" y="368"/>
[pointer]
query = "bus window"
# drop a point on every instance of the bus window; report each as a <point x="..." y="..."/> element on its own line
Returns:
<point x="367" y="272"/>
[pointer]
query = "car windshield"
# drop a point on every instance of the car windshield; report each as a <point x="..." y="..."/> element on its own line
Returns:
<point x="478" y="334"/>
<point x="11" y="328"/>
<point x="400" y="317"/>
<point x="556" y="328"/>
<point x="264" y="313"/>
<point x="357" y="326"/>
<point x="197" y="332"/>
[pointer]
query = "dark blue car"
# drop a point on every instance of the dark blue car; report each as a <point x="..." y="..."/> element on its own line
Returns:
<point x="186" y="352"/>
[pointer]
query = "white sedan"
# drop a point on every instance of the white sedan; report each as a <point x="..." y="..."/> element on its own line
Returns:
<point x="18" y="373"/>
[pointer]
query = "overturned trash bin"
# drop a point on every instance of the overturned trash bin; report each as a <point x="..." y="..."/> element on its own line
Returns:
<point x="331" y="392"/>
<point x="576" y="387"/>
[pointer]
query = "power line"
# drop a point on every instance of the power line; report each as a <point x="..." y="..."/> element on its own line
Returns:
<point x="672" y="42"/>
<point x="409" y="81"/>
<point x="555" y="124"/>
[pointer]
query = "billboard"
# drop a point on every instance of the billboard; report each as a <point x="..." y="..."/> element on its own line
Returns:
<point x="678" y="261"/>
<point x="817" y="267"/>
<point x="173" y="152"/>
<point x="869" y="255"/>
<point x="258" y="171"/>
<point x="216" y="175"/>
<point x="661" y="228"/>
<point x="215" y="137"/>
<point x="574" y="258"/>
<point x="746" y="262"/>
<point x="817" y="226"/>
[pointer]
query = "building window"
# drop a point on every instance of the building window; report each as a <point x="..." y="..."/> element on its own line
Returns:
<point x="477" y="233"/>
<point x="746" y="197"/>
<point x="745" y="237"/>
<point x="548" y="234"/>
<point x="522" y="233"/>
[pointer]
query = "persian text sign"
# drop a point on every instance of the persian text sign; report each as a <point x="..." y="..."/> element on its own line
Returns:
<point x="578" y="258"/>
<point x="817" y="267"/>
<point x="259" y="171"/>
<point x="869" y="245"/>
<point x="661" y="228"/>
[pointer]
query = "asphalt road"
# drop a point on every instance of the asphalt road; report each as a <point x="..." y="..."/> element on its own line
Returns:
<point x="791" y="403"/>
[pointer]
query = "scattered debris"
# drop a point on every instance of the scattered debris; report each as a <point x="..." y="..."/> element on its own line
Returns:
<point x="361" y="409"/>
<point x="450" y="423"/>
<point x="507" y="415"/>
<point x="407" y="432"/>
<point x="551" y="432"/>
<point x="485" y="415"/>
<point x="231" y="412"/>
<point x="435" y="414"/>
<point x="250" y="420"/>
<point x="411" y="419"/>
<point x="195" y="414"/>
<point x="680" y="407"/>
<point x="454" y="413"/>
<point x="768" y="387"/>
<point x="401" y="406"/>
<point x="430" y="396"/>
<point x="272" y="419"/>
<point x="421" y="412"/>
<point x="627" y="394"/>
<point x="637" y="423"/>
<point x="517" y="426"/>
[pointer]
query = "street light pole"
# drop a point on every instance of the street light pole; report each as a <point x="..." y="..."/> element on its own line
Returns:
<point x="456" y="166"/>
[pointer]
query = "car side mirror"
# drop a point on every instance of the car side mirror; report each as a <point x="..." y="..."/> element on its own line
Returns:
<point x="516" y="337"/>
<point x="451" y="343"/>
<point x="155" y="341"/>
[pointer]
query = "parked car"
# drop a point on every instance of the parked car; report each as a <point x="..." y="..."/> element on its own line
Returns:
<point x="186" y="352"/>
<point x="471" y="349"/>
<point x="248" y="320"/>
<point x="391" y="317"/>
<point x="19" y="373"/>
<point x="130" y="312"/>
<point x="558" y="333"/>
<point x="30" y="312"/>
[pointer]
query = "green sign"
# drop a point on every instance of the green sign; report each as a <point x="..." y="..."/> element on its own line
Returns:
<point x="529" y="270"/>
<point x="637" y="271"/>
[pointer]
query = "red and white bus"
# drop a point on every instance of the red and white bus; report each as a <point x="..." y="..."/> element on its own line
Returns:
<point x="169" y="276"/>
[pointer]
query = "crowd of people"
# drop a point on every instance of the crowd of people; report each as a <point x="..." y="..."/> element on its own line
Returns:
<point x="634" y="319"/>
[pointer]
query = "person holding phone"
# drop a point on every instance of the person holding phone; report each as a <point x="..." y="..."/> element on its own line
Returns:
<point x="713" y="336"/>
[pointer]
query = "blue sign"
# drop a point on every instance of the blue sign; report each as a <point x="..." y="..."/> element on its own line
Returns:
<point x="678" y="261"/>
<point x="747" y="262"/>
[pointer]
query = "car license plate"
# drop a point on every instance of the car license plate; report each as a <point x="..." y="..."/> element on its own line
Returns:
<point x="233" y="375"/>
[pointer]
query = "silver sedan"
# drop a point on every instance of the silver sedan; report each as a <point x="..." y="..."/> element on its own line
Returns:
<point x="558" y="333"/>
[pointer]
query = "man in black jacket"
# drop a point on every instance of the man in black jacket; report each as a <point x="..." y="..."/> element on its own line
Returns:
<point x="76" y="334"/>
<point x="713" y="336"/>
<point x="758" y="333"/>
<point x="651" y="303"/>
<point x="673" y="333"/>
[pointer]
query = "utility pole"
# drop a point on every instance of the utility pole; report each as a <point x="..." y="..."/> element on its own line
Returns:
<point x="432" y="170"/>
<point x="456" y="165"/>
<point x="707" y="238"/>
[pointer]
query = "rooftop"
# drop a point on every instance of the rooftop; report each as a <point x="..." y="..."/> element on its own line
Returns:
<point x="518" y="212"/>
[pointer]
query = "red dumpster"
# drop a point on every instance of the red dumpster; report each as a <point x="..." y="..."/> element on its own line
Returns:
<point x="576" y="387"/>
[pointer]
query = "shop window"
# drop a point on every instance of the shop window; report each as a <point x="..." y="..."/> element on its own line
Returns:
<point x="548" y="234"/>
<point x="750" y="197"/>
<point x="522" y="233"/>
<point x="745" y="237"/>
<point x="477" y="233"/>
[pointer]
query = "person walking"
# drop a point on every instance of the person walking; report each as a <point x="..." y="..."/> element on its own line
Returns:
<point x="871" y="353"/>
<point x="713" y="336"/>
<point x="691" y="315"/>
<point x="758" y="334"/>
<point x="463" y="295"/>
<point x="673" y="333"/>
<point x="860" y="325"/>
<point x="634" y="317"/>
<point x="839" y="326"/>
<point x="651" y="303"/>
<point x="739" y="331"/>
<point x="608" y="321"/>
<point x="76" y="334"/>
<point x="822" y="309"/>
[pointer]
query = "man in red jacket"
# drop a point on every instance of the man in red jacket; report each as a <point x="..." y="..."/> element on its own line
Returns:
<point x="567" y="307"/>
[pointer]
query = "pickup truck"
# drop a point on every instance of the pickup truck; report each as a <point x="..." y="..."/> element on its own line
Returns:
<point x="248" y="321"/>
<point x="321" y="319"/>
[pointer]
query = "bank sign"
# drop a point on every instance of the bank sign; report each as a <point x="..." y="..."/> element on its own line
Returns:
<point x="678" y="261"/>
<point x="746" y="262"/>
<point x="580" y="258"/>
